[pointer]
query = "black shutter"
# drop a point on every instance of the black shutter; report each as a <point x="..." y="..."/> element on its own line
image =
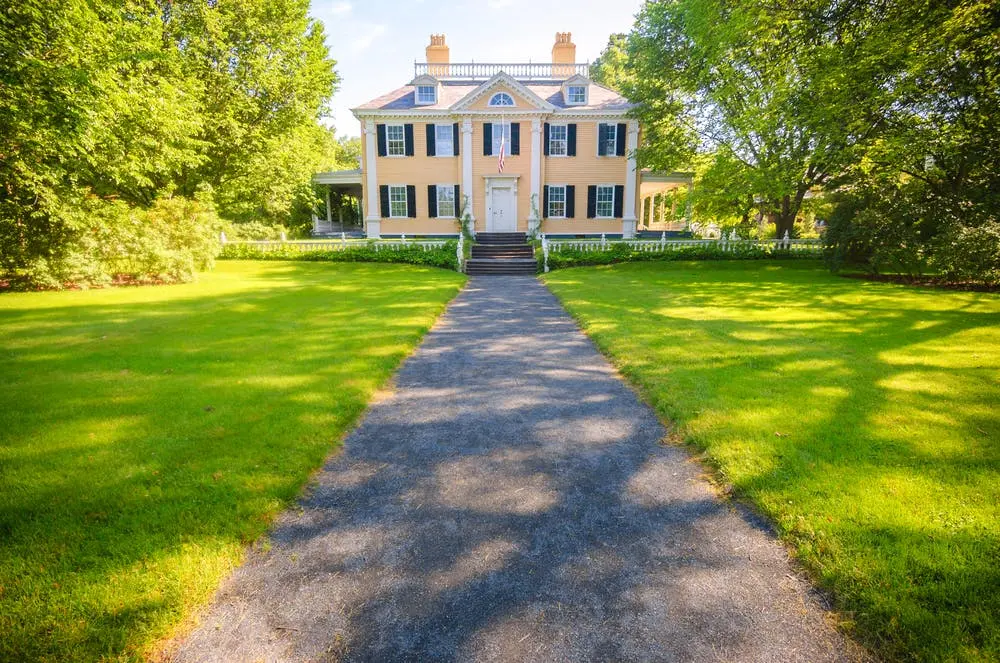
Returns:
<point x="591" y="202"/>
<point x="380" y="131"/>
<point x="515" y="138"/>
<point x="487" y="139"/>
<point x="620" y="145"/>
<point x="383" y="198"/>
<point x="408" y="134"/>
<point x="458" y="201"/>
<point x="545" y="201"/>
<point x="570" y="201"/>
<point x="545" y="139"/>
<point x="454" y="138"/>
<point x="602" y="136"/>
<point x="432" y="201"/>
<point x="619" y="200"/>
<point x="411" y="200"/>
<point x="431" y="146"/>
<point x="571" y="140"/>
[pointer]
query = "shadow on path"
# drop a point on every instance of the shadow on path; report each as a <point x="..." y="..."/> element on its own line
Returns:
<point x="511" y="501"/>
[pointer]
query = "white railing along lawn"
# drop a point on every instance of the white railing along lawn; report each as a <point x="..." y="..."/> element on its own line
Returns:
<point x="335" y="244"/>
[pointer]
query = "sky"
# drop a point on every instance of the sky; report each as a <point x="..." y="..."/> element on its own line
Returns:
<point x="375" y="42"/>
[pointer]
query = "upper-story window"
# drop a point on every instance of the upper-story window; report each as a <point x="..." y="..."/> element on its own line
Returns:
<point x="501" y="99"/>
<point x="444" y="140"/>
<point x="501" y="131"/>
<point x="395" y="138"/>
<point x="576" y="94"/>
<point x="426" y="94"/>
<point x="607" y="140"/>
<point x="558" y="140"/>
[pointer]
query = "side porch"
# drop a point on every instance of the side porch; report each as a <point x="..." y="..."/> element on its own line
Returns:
<point x="343" y="210"/>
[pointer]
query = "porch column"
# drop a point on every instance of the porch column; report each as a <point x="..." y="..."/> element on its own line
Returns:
<point x="329" y="212"/>
<point x="536" y="175"/>
<point x="467" y="169"/>
<point x="631" y="177"/>
<point x="374" y="219"/>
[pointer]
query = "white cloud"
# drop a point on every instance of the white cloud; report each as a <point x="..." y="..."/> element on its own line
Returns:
<point x="340" y="8"/>
<point x="366" y="37"/>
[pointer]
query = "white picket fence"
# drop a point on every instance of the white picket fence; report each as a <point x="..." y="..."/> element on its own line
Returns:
<point x="335" y="244"/>
<point x="664" y="245"/>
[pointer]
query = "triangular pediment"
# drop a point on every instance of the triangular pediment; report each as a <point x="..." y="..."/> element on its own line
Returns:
<point x="577" y="79"/>
<point x="524" y="99"/>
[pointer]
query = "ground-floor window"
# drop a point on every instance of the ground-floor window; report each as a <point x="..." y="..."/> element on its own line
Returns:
<point x="446" y="200"/>
<point x="557" y="202"/>
<point x="605" y="202"/>
<point x="397" y="202"/>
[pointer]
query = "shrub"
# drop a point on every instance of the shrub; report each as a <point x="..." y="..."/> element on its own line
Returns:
<point x="443" y="256"/>
<point x="620" y="252"/>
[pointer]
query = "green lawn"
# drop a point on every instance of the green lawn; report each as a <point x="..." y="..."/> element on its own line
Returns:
<point x="863" y="418"/>
<point x="148" y="434"/>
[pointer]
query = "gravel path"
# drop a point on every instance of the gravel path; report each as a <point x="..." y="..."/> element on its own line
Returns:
<point x="511" y="501"/>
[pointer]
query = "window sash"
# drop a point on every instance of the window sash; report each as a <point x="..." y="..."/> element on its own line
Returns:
<point x="501" y="99"/>
<point x="558" y="140"/>
<point x="395" y="139"/>
<point x="504" y="130"/>
<point x="446" y="201"/>
<point x="610" y="140"/>
<point x="605" y="202"/>
<point x="398" y="208"/>
<point x="444" y="140"/>
<point x="425" y="94"/>
<point x="577" y="94"/>
<point x="557" y="202"/>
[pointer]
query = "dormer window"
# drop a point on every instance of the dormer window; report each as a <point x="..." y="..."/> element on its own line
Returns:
<point x="576" y="94"/>
<point x="426" y="94"/>
<point x="501" y="99"/>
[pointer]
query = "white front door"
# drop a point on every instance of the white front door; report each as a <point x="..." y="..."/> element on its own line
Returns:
<point x="503" y="213"/>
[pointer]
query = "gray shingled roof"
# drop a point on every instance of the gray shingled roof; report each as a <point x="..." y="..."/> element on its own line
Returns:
<point x="598" y="97"/>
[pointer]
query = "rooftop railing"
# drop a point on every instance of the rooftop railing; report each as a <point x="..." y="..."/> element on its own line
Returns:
<point x="476" y="71"/>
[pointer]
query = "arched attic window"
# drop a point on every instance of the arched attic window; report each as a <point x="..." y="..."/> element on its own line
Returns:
<point x="501" y="99"/>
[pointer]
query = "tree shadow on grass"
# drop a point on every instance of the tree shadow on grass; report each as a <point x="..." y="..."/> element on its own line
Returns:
<point x="862" y="418"/>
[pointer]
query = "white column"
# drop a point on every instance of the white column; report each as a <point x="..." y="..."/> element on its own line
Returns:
<point x="467" y="169"/>
<point x="329" y="212"/>
<point x="536" y="174"/>
<point x="374" y="218"/>
<point x="631" y="177"/>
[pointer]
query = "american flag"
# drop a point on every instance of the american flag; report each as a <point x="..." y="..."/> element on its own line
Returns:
<point x="503" y="147"/>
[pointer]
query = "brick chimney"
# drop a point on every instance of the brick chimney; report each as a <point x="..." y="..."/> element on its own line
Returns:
<point x="438" y="56"/>
<point x="563" y="53"/>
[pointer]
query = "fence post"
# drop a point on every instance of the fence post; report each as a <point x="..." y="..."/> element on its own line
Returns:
<point x="222" y="236"/>
<point x="604" y="242"/>
<point x="343" y="240"/>
<point x="786" y="240"/>
<point x="545" y="252"/>
<point x="461" y="251"/>
<point x="283" y="238"/>
<point x="663" y="241"/>
<point x="403" y="238"/>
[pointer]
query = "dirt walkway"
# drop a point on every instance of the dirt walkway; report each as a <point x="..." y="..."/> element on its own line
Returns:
<point x="511" y="501"/>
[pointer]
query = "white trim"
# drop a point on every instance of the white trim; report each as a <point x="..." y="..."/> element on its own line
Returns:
<point x="501" y="182"/>
<point x="406" y="201"/>
<point x="615" y="151"/>
<point x="416" y="94"/>
<point x="519" y="113"/>
<point x="374" y="214"/>
<point x="567" y="87"/>
<point x="501" y="93"/>
<point x="466" y="155"/>
<point x="536" y="169"/>
<point x="631" y="175"/>
<point x="511" y="83"/>
<point x="451" y="139"/>
<point x="388" y="149"/>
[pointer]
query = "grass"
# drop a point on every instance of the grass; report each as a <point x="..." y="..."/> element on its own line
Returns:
<point x="862" y="418"/>
<point x="147" y="435"/>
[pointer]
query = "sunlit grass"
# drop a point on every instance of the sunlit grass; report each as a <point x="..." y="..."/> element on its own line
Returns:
<point x="863" y="418"/>
<point x="147" y="435"/>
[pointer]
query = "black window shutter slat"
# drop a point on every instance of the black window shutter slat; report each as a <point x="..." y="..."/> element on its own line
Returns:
<point x="383" y="198"/>
<point x="487" y="139"/>
<point x="458" y="201"/>
<point x="432" y="201"/>
<point x="602" y="137"/>
<point x="515" y="138"/>
<point x="591" y="201"/>
<point x="570" y="201"/>
<point x="408" y="134"/>
<point x="620" y="145"/>
<point x="571" y="140"/>
<point x="454" y="137"/>
<point x="545" y="201"/>
<point x="380" y="132"/>
<point x="411" y="201"/>
<point x="619" y="200"/>
<point x="545" y="139"/>
<point x="431" y="145"/>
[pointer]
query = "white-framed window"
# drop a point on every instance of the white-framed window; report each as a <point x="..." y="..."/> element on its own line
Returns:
<point x="444" y="140"/>
<point x="576" y="94"/>
<point x="557" y="202"/>
<point x="397" y="202"/>
<point x="426" y="94"/>
<point x="608" y="139"/>
<point x="446" y="201"/>
<point x="605" y="202"/>
<point x="501" y="99"/>
<point x="557" y="140"/>
<point x="498" y="131"/>
<point x="395" y="140"/>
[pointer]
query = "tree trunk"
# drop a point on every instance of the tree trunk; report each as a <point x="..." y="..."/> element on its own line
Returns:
<point x="784" y="217"/>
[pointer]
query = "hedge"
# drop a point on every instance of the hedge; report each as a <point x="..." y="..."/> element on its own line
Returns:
<point x="444" y="256"/>
<point x="623" y="252"/>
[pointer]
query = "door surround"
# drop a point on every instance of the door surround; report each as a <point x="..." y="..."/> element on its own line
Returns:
<point x="500" y="182"/>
